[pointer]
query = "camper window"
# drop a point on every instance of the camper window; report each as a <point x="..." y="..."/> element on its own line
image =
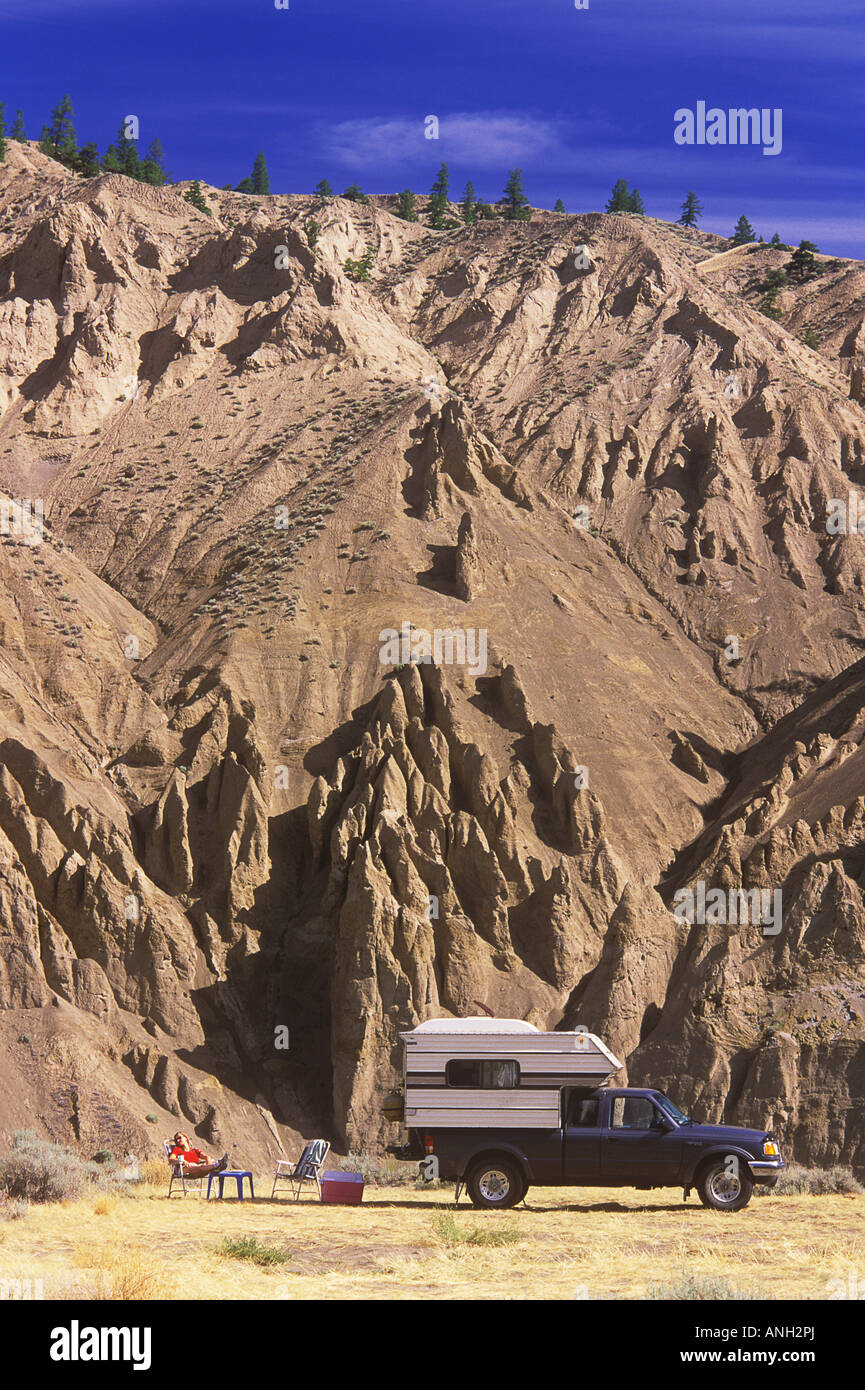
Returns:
<point x="483" y="1076"/>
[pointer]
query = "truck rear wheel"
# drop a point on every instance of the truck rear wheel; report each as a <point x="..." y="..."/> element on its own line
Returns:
<point x="724" y="1186"/>
<point x="496" y="1183"/>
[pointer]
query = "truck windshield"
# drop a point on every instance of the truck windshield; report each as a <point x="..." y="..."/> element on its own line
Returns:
<point x="672" y="1110"/>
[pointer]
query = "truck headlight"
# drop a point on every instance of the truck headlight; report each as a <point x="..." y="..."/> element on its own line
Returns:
<point x="770" y="1149"/>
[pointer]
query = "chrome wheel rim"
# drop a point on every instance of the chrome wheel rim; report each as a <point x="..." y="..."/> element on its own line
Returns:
<point x="724" y="1188"/>
<point x="494" y="1185"/>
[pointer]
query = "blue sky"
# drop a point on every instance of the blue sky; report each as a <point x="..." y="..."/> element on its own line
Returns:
<point x="577" y="98"/>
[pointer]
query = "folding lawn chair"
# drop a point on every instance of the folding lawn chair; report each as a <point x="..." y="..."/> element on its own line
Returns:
<point x="307" y="1168"/>
<point x="178" y="1173"/>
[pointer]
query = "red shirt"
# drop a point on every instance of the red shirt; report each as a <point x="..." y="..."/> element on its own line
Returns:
<point x="188" y="1155"/>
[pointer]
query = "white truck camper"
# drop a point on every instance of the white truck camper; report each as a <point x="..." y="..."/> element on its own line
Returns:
<point x="499" y="1073"/>
<point x="500" y="1107"/>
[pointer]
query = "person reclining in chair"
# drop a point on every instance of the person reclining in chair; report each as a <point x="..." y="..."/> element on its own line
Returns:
<point x="195" y="1163"/>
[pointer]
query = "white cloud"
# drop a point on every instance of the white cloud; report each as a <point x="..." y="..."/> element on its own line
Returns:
<point x="483" y="138"/>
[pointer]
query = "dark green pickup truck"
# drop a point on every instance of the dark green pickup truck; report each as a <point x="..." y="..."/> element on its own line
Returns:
<point x="611" y="1137"/>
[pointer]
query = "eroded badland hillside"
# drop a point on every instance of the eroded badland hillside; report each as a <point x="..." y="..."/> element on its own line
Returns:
<point x="221" y="812"/>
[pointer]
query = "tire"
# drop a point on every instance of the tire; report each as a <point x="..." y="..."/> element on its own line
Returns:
<point x="496" y="1183"/>
<point x="721" y="1191"/>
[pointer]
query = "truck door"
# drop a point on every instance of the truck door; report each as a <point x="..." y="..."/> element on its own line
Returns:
<point x="582" y="1137"/>
<point x="637" y="1145"/>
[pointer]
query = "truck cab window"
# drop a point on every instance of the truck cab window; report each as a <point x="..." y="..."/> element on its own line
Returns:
<point x="584" y="1112"/>
<point x="634" y="1112"/>
<point x="483" y="1076"/>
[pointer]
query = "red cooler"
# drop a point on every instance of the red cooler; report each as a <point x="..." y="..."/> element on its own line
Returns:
<point x="345" y="1189"/>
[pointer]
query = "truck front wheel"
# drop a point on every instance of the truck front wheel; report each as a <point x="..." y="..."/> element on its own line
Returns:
<point x="496" y="1183"/>
<point x="725" y="1186"/>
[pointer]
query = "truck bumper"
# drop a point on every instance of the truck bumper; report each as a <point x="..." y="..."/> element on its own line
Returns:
<point x="765" y="1171"/>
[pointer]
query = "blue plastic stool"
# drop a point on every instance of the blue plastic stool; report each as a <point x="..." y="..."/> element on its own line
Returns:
<point x="235" y="1173"/>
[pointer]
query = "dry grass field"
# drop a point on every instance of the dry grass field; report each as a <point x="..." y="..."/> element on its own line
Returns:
<point x="408" y="1244"/>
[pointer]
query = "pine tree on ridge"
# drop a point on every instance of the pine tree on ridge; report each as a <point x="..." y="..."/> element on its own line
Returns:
<point x="516" y="205"/>
<point x="620" y="198"/>
<point x="692" y="209"/>
<point x="743" y="232"/>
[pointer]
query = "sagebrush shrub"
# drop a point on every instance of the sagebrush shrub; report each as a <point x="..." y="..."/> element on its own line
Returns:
<point x="814" y="1182"/>
<point x="12" y="1209"/>
<point x="35" y="1170"/>
<point x="379" y="1172"/>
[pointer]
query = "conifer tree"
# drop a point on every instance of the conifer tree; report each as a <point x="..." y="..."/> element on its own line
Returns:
<point x="803" y="262"/>
<point x="355" y="194"/>
<point x="405" y="207"/>
<point x="260" y="177"/>
<point x="635" y="202"/>
<point x="438" y="198"/>
<point x="127" y="153"/>
<point x="775" y="279"/>
<point x="776" y="240"/>
<point x="360" y="269"/>
<point x="692" y="209"/>
<point x="110" y="161"/>
<point x="195" y="196"/>
<point x="743" y="232"/>
<point x="323" y="191"/>
<point x="769" y="305"/>
<point x="58" y="139"/>
<point x="560" y="207"/>
<point x="620" y="198"/>
<point x="88" y="162"/>
<point x="245" y="186"/>
<point x="469" y="204"/>
<point x="517" y="207"/>
<point x="18" y="132"/>
<point x="68" y="151"/>
<point x="152" y="169"/>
